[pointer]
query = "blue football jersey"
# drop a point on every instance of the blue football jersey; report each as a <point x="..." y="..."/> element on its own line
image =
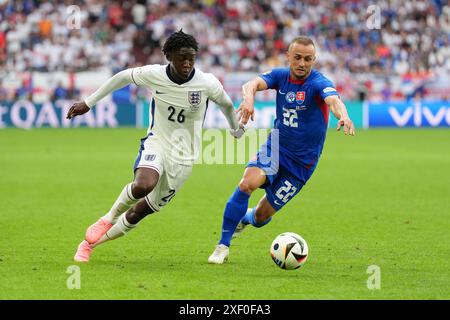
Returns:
<point x="301" y="115"/>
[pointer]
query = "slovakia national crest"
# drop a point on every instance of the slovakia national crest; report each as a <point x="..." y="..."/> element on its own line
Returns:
<point x="194" y="98"/>
<point x="300" y="96"/>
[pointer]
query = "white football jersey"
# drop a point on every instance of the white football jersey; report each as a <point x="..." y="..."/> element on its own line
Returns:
<point x="178" y="110"/>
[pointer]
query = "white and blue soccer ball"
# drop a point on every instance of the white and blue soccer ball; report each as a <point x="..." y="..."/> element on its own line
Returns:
<point x="289" y="251"/>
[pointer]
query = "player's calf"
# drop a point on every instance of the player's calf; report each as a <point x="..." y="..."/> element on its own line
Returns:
<point x="138" y="212"/>
<point x="259" y="221"/>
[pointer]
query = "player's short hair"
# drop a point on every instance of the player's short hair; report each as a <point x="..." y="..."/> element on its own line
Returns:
<point x="304" y="40"/>
<point x="179" y="40"/>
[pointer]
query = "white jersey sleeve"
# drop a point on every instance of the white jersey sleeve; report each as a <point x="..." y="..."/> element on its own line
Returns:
<point x="118" y="81"/>
<point x="144" y="76"/>
<point x="216" y="90"/>
<point x="222" y="99"/>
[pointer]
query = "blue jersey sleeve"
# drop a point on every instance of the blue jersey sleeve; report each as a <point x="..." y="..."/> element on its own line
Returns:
<point x="272" y="78"/>
<point x="326" y="88"/>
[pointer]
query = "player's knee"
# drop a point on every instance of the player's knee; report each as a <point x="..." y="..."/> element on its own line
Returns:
<point x="142" y="188"/>
<point x="246" y="186"/>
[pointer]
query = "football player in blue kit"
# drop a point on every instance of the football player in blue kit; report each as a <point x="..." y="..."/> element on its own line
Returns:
<point x="287" y="160"/>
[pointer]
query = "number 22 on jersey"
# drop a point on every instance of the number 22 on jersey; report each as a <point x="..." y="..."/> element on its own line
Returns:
<point x="290" y="118"/>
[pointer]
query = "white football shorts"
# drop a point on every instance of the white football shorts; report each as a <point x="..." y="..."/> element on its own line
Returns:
<point x="172" y="175"/>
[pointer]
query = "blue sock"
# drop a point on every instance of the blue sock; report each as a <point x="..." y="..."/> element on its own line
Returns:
<point x="234" y="211"/>
<point x="249" y="218"/>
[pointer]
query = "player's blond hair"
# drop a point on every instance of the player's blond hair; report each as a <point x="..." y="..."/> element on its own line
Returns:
<point x="304" y="40"/>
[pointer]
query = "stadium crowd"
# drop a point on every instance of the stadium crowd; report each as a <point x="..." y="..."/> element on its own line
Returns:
<point x="411" y="41"/>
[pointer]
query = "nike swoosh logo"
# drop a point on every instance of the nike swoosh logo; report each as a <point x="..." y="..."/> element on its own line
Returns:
<point x="159" y="92"/>
<point x="279" y="204"/>
<point x="281" y="92"/>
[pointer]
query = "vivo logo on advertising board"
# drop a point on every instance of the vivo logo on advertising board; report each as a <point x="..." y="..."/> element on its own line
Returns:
<point x="409" y="114"/>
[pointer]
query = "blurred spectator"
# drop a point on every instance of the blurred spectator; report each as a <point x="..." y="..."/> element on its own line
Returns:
<point x="59" y="92"/>
<point x="45" y="27"/>
<point x="446" y="98"/>
<point x="386" y="92"/>
<point x="73" y="93"/>
<point x="2" y="43"/>
<point x="3" y="93"/>
<point x="362" y="92"/>
<point x="115" y="15"/>
<point x="139" y="12"/>
<point x="25" y="91"/>
<point x="236" y="35"/>
<point x="418" y="92"/>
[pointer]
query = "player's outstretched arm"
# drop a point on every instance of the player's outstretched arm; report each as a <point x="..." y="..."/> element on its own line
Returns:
<point x="246" y="109"/>
<point x="223" y="100"/>
<point x="225" y="104"/>
<point x="118" y="81"/>
<point x="340" y="112"/>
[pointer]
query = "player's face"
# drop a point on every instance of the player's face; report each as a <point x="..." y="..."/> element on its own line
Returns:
<point x="182" y="62"/>
<point x="301" y="59"/>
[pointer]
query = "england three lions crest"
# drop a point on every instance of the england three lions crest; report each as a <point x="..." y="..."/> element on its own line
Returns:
<point x="194" y="98"/>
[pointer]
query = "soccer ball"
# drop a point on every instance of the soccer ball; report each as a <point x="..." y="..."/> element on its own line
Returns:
<point x="289" y="251"/>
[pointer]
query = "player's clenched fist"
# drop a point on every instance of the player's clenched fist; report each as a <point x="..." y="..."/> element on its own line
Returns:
<point x="78" y="108"/>
<point x="239" y="132"/>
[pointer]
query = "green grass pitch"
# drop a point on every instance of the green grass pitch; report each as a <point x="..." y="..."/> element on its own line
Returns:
<point x="380" y="198"/>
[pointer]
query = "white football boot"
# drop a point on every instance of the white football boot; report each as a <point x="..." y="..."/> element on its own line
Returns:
<point x="220" y="254"/>
<point x="240" y="227"/>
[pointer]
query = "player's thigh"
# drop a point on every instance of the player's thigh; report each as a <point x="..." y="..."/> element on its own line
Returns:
<point x="149" y="164"/>
<point x="168" y="185"/>
<point x="253" y="178"/>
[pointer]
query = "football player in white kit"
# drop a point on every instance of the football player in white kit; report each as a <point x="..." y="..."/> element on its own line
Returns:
<point x="167" y="153"/>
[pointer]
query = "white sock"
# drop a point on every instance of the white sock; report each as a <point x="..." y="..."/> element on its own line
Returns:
<point x="124" y="202"/>
<point x="121" y="228"/>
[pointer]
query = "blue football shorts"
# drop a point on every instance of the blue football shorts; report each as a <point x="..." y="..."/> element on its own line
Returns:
<point x="282" y="184"/>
